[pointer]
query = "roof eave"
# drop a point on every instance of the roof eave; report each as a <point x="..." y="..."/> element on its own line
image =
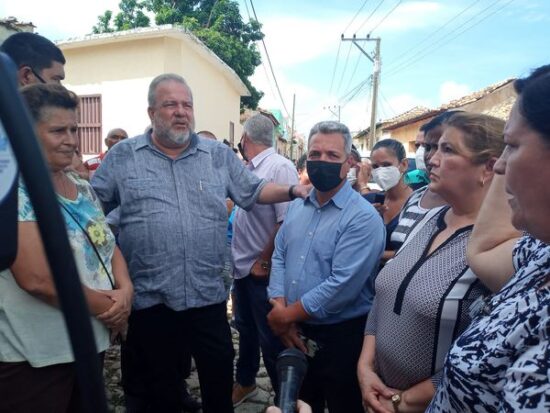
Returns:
<point x="178" y="32"/>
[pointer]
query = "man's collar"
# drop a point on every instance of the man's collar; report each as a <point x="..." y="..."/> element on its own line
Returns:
<point x="261" y="156"/>
<point x="339" y="199"/>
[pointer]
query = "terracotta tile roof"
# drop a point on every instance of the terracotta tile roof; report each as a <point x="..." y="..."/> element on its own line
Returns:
<point x="410" y="114"/>
<point x="413" y="115"/>
<point x="418" y="113"/>
<point x="453" y="104"/>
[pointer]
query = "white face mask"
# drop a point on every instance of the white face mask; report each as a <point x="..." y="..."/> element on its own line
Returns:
<point x="386" y="176"/>
<point x="419" y="158"/>
<point x="352" y="176"/>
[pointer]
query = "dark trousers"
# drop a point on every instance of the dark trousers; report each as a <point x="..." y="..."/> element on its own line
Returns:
<point x="251" y="309"/>
<point x="331" y="377"/>
<point x="27" y="389"/>
<point x="159" y="341"/>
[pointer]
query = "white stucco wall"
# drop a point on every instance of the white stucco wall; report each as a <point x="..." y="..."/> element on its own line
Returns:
<point x="121" y="70"/>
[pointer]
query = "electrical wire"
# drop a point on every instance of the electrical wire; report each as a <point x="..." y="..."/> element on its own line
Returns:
<point x="270" y="65"/>
<point x="344" y="69"/>
<point x="385" y="17"/>
<point x="356" y="14"/>
<point x="352" y="94"/>
<point x="432" y="34"/>
<point x="430" y="48"/>
<point x="263" y="64"/>
<point x="359" y="58"/>
<point x="388" y="103"/>
<point x="334" y="69"/>
<point x="370" y="15"/>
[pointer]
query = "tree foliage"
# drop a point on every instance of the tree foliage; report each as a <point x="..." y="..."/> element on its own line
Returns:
<point x="130" y="16"/>
<point x="217" y="23"/>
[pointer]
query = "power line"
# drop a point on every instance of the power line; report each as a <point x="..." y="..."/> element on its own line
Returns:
<point x="438" y="43"/>
<point x="385" y="17"/>
<point x="388" y="103"/>
<point x="359" y="56"/>
<point x="430" y="48"/>
<point x="270" y="65"/>
<point x="356" y="14"/>
<point x="431" y="35"/>
<point x="344" y="69"/>
<point x="353" y="93"/>
<point x="334" y="69"/>
<point x="263" y="64"/>
<point x="370" y="15"/>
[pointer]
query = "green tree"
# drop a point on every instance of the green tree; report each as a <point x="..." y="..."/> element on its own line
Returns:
<point x="217" y="23"/>
<point x="130" y="16"/>
<point x="103" y="23"/>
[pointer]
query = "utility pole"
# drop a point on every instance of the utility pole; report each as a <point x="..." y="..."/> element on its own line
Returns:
<point x="375" y="59"/>
<point x="292" y="128"/>
<point x="332" y="109"/>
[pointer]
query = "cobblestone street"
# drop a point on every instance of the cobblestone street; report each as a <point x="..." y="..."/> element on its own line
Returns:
<point x="115" y="396"/>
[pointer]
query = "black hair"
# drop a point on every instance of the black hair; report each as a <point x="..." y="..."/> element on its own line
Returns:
<point x="534" y="100"/>
<point x="439" y="120"/>
<point x="33" y="50"/>
<point x="395" y="146"/>
<point x="423" y="127"/>
<point x="355" y="154"/>
<point x="40" y="96"/>
<point x="301" y="162"/>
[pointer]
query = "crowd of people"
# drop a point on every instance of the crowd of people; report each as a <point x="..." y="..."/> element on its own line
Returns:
<point x="432" y="294"/>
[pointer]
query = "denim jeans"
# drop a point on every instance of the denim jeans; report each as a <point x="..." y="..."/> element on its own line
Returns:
<point x="251" y="309"/>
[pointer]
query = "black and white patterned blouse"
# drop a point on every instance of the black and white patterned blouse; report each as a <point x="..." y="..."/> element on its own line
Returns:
<point x="501" y="363"/>
<point x="422" y="305"/>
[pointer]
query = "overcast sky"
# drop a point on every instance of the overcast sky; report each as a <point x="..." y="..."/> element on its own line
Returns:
<point x="432" y="51"/>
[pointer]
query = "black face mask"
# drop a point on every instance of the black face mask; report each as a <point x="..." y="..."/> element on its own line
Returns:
<point x="241" y="151"/>
<point x="324" y="176"/>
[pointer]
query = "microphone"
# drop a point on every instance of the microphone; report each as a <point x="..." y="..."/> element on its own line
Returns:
<point x="291" y="370"/>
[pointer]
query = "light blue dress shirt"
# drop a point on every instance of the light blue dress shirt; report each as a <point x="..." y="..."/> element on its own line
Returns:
<point x="327" y="256"/>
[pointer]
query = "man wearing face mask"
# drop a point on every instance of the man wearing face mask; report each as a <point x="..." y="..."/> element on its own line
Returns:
<point x="326" y="255"/>
<point x="171" y="187"/>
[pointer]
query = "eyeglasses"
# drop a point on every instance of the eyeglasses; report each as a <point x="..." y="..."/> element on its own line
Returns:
<point x="38" y="76"/>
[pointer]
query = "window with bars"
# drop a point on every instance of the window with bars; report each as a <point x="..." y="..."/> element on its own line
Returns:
<point x="89" y="124"/>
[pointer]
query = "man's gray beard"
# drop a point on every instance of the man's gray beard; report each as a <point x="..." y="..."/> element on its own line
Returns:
<point x="171" y="137"/>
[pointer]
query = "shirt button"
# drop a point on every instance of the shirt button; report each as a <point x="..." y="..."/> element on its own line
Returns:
<point x="310" y="234"/>
<point x="318" y="211"/>
<point x="293" y="281"/>
<point x="302" y="257"/>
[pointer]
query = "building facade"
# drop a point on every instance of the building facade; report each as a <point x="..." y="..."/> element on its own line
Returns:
<point x="111" y="73"/>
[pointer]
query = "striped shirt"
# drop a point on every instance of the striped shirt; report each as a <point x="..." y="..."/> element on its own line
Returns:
<point x="409" y="216"/>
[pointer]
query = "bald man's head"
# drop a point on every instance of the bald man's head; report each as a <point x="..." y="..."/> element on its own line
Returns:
<point x="115" y="136"/>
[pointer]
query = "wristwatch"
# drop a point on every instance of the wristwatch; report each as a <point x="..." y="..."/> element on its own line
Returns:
<point x="291" y="194"/>
<point x="266" y="265"/>
<point x="395" y="400"/>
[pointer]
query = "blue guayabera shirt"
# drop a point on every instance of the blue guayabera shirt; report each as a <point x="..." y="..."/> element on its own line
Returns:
<point x="173" y="216"/>
<point x="327" y="256"/>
